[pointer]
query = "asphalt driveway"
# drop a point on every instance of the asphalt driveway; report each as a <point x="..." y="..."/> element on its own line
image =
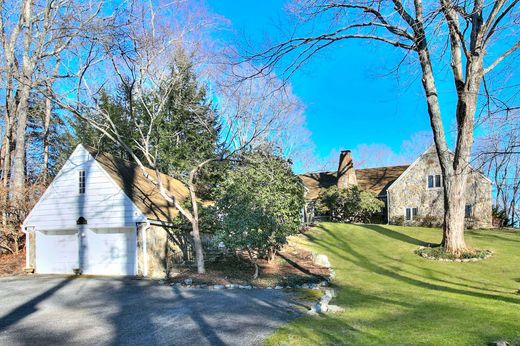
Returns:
<point x="86" y="311"/>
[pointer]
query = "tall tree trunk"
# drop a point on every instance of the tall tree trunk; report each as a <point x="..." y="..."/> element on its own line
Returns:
<point x="45" y="138"/>
<point x="18" y="178"/>
<point x="454" y="209"/>
<point x="455" y="184"/>
<point x="195" y="232"/>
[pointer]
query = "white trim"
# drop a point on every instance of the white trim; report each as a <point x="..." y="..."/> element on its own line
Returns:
<point x="411" y="213"/>
<point x="27" y="248"/>
<point x="434" y="187"/>
<point x="95" y="162"/>
<point x="387" y="207"/>
<point x="145" y="248"/>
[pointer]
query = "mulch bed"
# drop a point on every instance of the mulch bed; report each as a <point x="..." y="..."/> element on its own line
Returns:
<point x="290" y="267"/>
<point x="12" y="264"/>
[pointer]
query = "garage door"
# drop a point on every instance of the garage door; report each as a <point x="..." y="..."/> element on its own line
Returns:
<point x="109" y="251"/>
<point x="56" y="251"/>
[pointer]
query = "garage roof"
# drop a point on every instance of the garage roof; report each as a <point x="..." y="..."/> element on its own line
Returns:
<point x="139" y="189"/>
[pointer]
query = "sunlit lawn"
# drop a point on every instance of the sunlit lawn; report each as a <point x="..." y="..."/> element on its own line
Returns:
<point x="393" y="297"/>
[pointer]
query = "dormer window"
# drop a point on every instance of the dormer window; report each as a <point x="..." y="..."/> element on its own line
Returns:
<point x="81" y="181"/>
<point x="434" y="181"/>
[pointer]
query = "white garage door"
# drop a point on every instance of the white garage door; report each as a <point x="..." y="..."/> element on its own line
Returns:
<point x="56" y="251"/>
<point x="109" y="251"/>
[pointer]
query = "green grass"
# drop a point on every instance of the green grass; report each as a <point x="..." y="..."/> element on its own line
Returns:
<point x="392" y="296"/>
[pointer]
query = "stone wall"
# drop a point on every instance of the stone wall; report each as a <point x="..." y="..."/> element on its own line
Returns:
<point x="31" y="247"/>
<point x="167" y="254"/>
<point x="411" y="190"/>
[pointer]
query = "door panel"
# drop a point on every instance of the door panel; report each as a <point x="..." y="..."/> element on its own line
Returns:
<point x="109" y="251"/>
<point x="56" y="251"/>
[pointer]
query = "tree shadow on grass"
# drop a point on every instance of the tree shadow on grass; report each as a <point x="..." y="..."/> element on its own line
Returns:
<point x="364" y="262"/>
<point x="387" y="232"/>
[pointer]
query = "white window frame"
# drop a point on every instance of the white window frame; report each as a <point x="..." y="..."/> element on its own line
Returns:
<point x="412" y="216"/>
<point x="82" y="181"/>
<point x="434" y="175"/>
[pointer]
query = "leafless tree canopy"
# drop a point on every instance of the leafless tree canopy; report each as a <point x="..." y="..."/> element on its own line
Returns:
<point x="475" y="36"/>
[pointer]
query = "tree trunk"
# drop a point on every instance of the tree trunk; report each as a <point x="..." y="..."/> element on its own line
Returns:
<point x="253" y="259"/>
<point x="45" y="138"/>
<point x="18" y="178"/>
<point x="197" y="244"/>
<point x="454" y="203"/>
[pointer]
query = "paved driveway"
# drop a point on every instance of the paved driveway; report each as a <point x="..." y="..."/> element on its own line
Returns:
<point x="101" y="311"/>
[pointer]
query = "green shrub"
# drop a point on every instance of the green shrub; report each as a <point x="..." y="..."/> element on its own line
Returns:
<point x="259" y="205"/>
<point x="348" y="205"/>
<point x="398" y="221"/>
<point x="441" y="253"/>
<point x="430" y="221"/>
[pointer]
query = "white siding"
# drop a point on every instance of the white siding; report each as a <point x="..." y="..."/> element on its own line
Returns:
<point x="103" y="204"/>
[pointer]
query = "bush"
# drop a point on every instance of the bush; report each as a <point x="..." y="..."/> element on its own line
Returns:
<point x="259" y="205"/>
<point x="430" y="221"/>
<point x="348" y="205"/>
<point x="440" y="253"/>
<point x="499" y="217"/>
<point x="398" y="221"/>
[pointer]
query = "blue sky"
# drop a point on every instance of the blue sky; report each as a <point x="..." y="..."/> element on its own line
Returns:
<point x="349" y="100"/>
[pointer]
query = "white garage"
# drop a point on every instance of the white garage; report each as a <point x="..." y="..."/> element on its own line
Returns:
<point x="51" y="261"/>
<point x="110" y="251"/>
<point x="97" y="217"/>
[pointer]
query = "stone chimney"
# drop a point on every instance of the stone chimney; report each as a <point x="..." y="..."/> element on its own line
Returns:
<point x="346" y="171"/>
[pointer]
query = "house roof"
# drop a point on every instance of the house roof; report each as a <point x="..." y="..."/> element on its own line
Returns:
<point x="145" y="195"/>
<point x="315" y="182"/>
<point x="376" y="180"/>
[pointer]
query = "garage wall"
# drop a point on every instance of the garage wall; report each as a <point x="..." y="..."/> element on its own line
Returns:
<point x="103" y="204"/>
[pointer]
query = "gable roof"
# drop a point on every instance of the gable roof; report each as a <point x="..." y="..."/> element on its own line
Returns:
<point x="141" y="191"/>
<point x="315" y="182"/>
<point x="376" y="180"/>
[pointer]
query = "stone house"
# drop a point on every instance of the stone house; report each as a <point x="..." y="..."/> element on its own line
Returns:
<point x="101" y="216"/>
<point x="413" y="194"/>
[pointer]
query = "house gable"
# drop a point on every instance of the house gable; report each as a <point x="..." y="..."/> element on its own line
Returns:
<point x="411" y="191"/>
<point x="104" y="203"/>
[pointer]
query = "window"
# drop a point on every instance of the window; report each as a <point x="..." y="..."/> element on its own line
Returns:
<point x="410" y="213"/>
<point x="468" y="211"/>
<point x="434" y="181"/>
<point x="81" y="181"/>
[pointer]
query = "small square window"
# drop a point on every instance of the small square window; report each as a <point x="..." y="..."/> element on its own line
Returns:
<point x="81" y="181"/>
<point x="434" y="181"/>
<point x="411" y="213"/>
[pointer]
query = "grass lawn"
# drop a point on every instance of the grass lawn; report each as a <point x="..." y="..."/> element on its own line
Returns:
<point x="392" y="296"/>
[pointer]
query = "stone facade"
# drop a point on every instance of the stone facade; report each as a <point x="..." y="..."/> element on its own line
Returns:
<point x="411" y="191"/>
<point x="162" y="253"/>
<point x="346" y="175"/>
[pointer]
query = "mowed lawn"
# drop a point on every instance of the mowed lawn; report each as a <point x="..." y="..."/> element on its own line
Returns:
<point x="393" y="297"/>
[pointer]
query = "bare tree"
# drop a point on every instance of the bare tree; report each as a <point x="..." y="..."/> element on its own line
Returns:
<point x="33" y="37"/>
<point x="466" y="28"/>
<point x="142" y="60"/>
<point x="497" y="153"/>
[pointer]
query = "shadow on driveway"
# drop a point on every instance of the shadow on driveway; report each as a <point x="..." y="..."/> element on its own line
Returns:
<point x="121" y="311"/>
